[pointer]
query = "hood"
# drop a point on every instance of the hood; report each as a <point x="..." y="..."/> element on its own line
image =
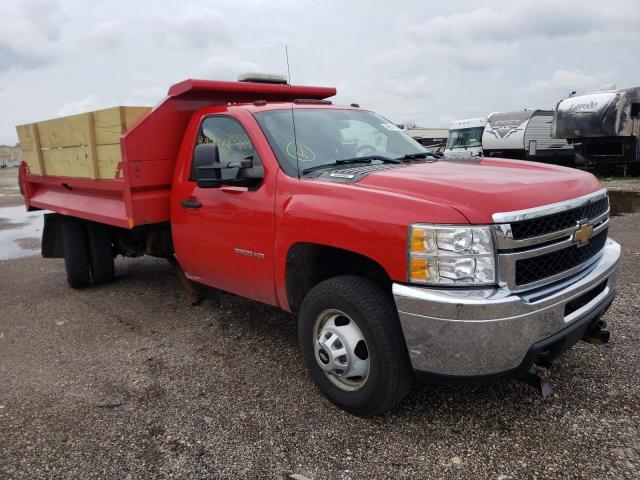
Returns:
<point x="480" y="188"/>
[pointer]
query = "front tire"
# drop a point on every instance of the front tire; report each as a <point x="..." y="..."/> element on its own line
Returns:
<point x="353" y="345"/>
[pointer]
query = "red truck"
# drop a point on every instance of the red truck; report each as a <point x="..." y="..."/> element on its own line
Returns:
<point x="397" y="265"/>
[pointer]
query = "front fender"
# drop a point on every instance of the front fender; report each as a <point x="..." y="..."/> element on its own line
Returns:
<point x="368" y="222"/>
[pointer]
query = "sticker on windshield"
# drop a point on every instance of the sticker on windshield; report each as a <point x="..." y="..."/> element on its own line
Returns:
<point x="305" y="154"/>
<point x="390" y="126"/>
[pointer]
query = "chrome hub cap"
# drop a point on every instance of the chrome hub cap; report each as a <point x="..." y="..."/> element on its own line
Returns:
<point x="340" y="350"/>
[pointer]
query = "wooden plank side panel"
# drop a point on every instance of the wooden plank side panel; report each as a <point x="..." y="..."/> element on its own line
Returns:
<point x="132" y="115"/>
<point x="68" y="131"/>
<point x="25" y="138"/>
<point x="31" y="159"/>
<point x="37" y="148"/>
<point x="67" y="162"/>
<point x="27" y="144"/>
<point x="74" y="161"/>
<point x="109" y="156"/>
<point x="108" y="126"/>
<point x="71" y="131"/>
<point x="85" y="145"/>
<point x="92" y="147"/>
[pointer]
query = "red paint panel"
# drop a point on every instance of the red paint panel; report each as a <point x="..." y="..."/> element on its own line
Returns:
<point x="87" y="204"/>
<point x="347" y="216"/>
<point x="479" y="189"/>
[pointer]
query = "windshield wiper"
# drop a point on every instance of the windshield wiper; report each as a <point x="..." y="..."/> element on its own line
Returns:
<point x="412" y="156"/>
<point x="343" y="161"/>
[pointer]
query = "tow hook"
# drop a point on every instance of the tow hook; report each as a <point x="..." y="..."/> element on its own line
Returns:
<point x="538" y="378"/>
<point x="598" y="335"/>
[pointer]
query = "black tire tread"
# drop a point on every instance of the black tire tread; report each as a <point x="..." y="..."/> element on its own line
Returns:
<point x="100" y="253"/>
<point x="76" y="255"/>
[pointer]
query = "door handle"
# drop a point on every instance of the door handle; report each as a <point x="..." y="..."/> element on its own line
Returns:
<point x="190" y="203"/>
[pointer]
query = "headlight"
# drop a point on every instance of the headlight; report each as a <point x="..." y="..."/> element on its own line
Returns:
<point x="451" y="255"/>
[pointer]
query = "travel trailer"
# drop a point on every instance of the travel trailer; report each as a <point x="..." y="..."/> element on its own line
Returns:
<point x="523" y="135"/>
<point x="603" y="127"/>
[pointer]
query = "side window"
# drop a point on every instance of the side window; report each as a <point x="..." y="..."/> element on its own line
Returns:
<point x="233" y="142"/>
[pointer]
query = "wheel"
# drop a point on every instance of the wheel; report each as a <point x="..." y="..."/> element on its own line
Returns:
<point x="100" y="253"/>
<point x="76" y="255"/>
<point x="353" y="345"/>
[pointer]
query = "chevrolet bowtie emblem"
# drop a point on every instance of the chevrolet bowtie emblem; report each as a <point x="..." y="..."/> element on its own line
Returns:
<point x="582" y="233"/>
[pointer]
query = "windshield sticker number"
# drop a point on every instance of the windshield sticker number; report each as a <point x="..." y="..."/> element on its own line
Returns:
<point x="305" y="154"/>
<point x="390" y="126"/>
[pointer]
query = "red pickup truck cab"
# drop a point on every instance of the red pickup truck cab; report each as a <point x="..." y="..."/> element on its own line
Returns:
<point x="395" y="263"/>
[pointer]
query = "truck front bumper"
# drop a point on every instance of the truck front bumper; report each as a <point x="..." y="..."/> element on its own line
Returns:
<point x="476" y="334"/>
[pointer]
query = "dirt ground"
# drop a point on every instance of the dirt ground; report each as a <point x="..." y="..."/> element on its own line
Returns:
<point x="128" y="381"/>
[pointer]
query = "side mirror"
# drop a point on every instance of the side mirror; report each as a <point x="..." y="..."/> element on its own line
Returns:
<point x="206" y="158"/>
<point x="250" y="172"/>
<point x="206" y="168"/>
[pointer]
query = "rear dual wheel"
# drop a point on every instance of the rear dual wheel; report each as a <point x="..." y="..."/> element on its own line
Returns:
<point x="76" y="253"/>
<point x="88" y="254"/>
<point x="100" y="253"/>
<point x="353" y="345"/>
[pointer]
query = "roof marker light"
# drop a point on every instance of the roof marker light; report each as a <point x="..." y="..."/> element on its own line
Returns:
<point x="255" y="77"/>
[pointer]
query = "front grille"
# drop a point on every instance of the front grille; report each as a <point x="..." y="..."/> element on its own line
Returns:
<point x="558" y="221"/>
<point x="529" y="270"/>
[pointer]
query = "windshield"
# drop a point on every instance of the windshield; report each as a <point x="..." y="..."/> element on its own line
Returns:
<point x="324" y="136"/>
<point x="465" y="137"/>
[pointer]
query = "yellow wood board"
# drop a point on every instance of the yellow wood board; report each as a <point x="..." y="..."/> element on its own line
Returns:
<point x="133" y="114"/>
<point x="25" y="138"/>
<point x="74" y="161"/>
<point x="84" y="145"/>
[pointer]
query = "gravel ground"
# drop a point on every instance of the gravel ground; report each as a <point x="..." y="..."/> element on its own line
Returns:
<point x="128" y="381"/>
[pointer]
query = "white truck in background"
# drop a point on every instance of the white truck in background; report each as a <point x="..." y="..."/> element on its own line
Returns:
<point x="522" y="135"/>
<point x="465" y="138"/>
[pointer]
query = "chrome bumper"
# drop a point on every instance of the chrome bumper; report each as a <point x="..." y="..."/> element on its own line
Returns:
<point x="488" y="331"/>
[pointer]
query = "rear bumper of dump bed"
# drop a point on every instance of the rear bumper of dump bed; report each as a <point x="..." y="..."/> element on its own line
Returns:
<point x="492" y="333"/>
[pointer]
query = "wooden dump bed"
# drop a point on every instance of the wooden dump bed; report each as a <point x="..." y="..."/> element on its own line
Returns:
<point x="116" y="166"/>
<point x="85" y="145"/>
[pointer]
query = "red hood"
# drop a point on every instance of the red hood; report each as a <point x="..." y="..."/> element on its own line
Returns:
<point x="479" y="189"/>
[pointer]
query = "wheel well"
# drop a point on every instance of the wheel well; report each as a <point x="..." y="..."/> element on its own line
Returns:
<point x="154" y="240"/>
<point x="309" y="264"/>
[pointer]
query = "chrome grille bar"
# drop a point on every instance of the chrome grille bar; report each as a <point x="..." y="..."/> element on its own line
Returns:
<point x="511" y="250"/>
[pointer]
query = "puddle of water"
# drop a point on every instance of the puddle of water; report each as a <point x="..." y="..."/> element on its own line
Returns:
<point x="20" y="230"/>
<point x="622" y="202"/>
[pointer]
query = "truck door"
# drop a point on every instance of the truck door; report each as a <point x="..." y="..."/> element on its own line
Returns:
<point x="223" y="237"/>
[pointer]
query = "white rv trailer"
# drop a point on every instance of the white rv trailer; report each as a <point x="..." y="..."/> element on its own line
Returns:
<point x="604" y="127"/>
<point x="523" y="135"/>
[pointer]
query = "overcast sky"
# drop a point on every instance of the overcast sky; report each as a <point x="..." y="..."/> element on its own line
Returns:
<point x="430" y="62"/>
